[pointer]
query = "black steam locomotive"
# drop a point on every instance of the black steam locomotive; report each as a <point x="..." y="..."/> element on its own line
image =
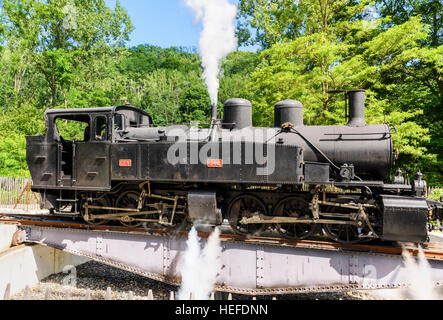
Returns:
<point x="295" y="179"/>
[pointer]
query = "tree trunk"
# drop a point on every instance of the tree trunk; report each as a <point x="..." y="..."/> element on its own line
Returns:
<point x="53" y="91"/>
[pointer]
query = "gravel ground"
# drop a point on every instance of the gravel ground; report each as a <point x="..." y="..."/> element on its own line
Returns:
<point x="93" y="280"/>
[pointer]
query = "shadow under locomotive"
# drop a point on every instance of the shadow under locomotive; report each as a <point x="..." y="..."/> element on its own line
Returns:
<point x="299" y="180"/>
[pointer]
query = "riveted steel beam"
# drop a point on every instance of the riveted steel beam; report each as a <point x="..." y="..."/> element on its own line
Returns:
<point x="249" y="267"/>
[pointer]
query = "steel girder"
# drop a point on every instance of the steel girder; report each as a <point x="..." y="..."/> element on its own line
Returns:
<point x="248" y="267"/>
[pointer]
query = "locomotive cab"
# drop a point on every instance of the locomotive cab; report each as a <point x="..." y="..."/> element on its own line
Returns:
<point x="74" y="152"/>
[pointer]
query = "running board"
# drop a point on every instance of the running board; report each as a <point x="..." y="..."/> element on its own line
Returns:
<point x="271" y="220"/>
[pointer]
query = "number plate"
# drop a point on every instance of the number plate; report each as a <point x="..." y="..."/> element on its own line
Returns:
<point x="215" y="163"/>
<point x="125" y="163"/>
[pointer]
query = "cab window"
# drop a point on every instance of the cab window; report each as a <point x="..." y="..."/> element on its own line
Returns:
<point x="101" y="128"/>
<point x="71" y="129"/>
<point x="119" y="122"/>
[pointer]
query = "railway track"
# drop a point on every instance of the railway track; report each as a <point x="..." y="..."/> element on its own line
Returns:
<point x="433" y="250"/>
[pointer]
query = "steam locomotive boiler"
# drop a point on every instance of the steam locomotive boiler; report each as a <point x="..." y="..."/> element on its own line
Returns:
<point x="294" y="179"/>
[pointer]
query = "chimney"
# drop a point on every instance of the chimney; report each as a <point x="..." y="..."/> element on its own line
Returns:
<point x="356" y="100"/>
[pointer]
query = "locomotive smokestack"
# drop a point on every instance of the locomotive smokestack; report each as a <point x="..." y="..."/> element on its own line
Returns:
<point x="356" y="108"/>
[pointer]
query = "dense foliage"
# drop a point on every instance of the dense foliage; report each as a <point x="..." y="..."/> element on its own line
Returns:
<point x="65" y="54"/>
<point x="393" y="49"/>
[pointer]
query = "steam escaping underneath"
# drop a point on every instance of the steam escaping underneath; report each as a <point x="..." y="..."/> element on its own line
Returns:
<point x="200" y="267"/>
<point x="422" y="287"/>
<point x="420" y="279"/>
<point x="217" y="38"/>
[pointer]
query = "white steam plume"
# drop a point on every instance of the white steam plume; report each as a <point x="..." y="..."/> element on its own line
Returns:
<point x="420" y="279"/>
<point x="217" y="38"/>
<point x="200" y="268"/>
<point x="422" y="287"/>
<point x="189" y="270"/>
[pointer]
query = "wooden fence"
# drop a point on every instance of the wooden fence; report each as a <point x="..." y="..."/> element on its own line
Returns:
<point x="431" y="189"/>
<point x="15" y="193"/>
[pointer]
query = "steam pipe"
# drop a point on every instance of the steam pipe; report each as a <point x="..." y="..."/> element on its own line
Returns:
<point x="214" y="112"/>
<point x="213" y="120"/>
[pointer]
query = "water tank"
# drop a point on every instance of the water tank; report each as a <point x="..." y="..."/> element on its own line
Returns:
<point x="237" y="114"/>
<point x="288" y="111"/>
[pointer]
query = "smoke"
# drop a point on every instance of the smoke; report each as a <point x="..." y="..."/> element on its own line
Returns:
<point x="217" y="38"/>
<point x="422" y="287"/>
<point x="419" y="277"/>
<point x="200" y="267"/>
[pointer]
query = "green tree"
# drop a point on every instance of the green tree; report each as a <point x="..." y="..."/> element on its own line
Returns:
<point x="430" y="11"/>
<point x="195" y="103"/>
<point x="236" y="71"/>
<point x="418" y="83"/>
<point x="164" y="96"/>
<point x="336" y="51"/>
<point x="57" y="34"/>
<point x="278" y="21"/>
<point x="15" y="124"/>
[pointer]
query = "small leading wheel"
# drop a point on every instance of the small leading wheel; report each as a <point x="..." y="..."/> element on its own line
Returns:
<point x="246" y="206"/>
<point x="99" y="202"/>
<point x="128" y="200"/>
<point x="295" y="207"/>
<point x="345" y="233"/>
<point x="342" y="233"/>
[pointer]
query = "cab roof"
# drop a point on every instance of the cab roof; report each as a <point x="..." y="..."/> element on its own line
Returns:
<point x="112" y="110"/>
